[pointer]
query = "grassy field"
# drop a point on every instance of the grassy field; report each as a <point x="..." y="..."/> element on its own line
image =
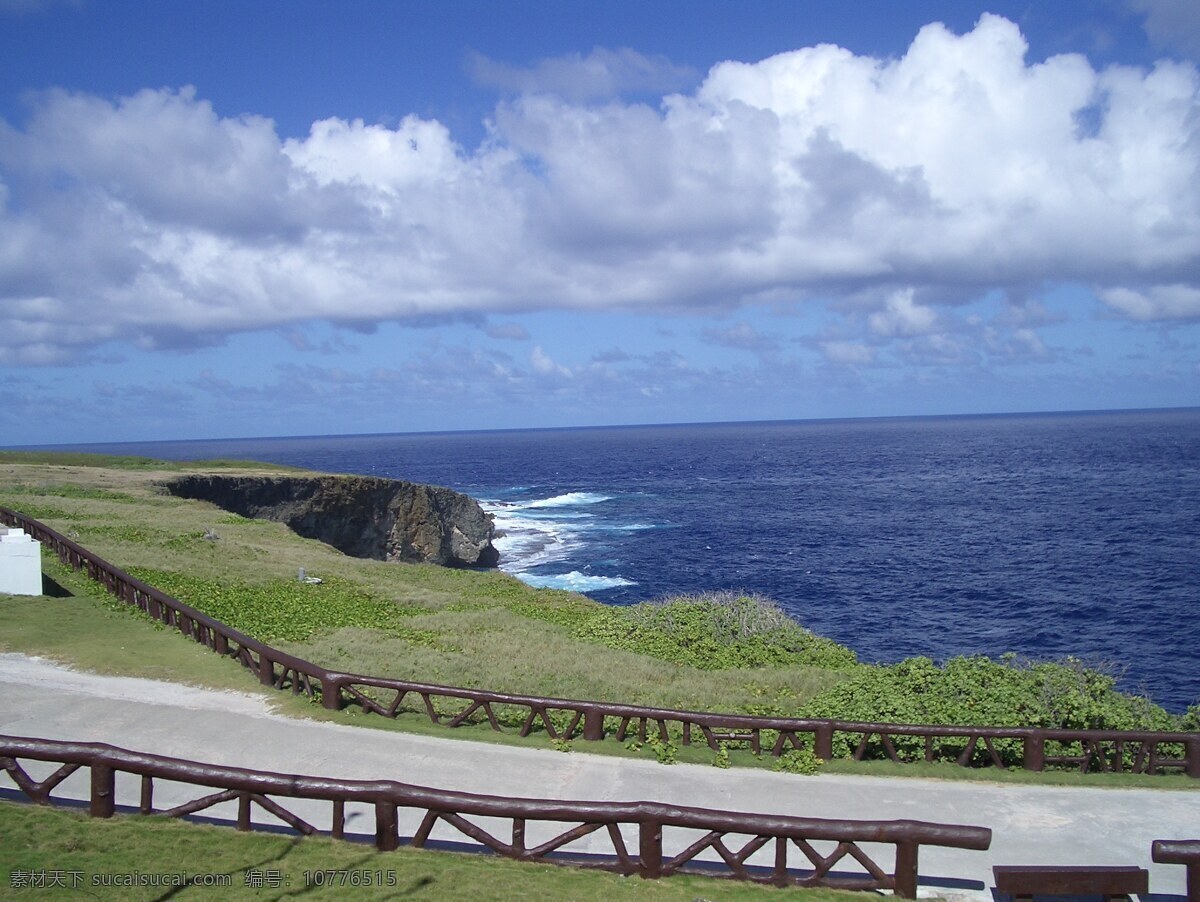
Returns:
<point x="479" y="629"/>
<point x="42" y="844"/>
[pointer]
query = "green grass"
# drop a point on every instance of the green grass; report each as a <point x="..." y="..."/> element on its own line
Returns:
<point x="68" y="842"/>
<point x="119" y="462"/>
<point x="285" y="609"/>
<point x="95" y="632"/>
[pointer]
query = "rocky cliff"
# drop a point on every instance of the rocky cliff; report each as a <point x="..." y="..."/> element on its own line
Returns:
<point x="384" y="519"/>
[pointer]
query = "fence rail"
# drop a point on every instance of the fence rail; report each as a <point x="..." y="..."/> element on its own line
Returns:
<point x="1105" y="750"/>
<point x="647" y="839"/>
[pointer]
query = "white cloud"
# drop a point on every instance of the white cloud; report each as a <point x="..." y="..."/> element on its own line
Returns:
<point x="1158" y="302"/>
<point x="416" y="153"/>
<point x="902" y="316"/>
<point x="544" y="365"/>
<point x="954" y="169"/>
<point x="1021" y="345"/>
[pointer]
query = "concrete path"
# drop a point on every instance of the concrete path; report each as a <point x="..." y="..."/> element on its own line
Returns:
<point x="1031" y="825"/>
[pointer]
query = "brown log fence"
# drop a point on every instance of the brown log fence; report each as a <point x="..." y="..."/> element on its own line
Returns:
<point x="646" y="839"/>
<point x="1086" y="750"/>
<point x="1181" y="851"/>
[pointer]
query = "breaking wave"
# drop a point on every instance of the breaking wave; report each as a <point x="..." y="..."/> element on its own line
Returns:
<point x="574" y="581"/>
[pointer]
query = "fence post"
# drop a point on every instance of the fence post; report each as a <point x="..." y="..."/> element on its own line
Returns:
<point x="1192" y="750"/>
<point x="266" y="670"/>
<point x="823" y="741"/>
<point x="593" y="725"/>
<point x="331" y="694"/>
<point x="906" y="869"/>
<point x="650" y="849"/>
<point x="339" y="819"/>
<point x="146" y="805"/>
<point x="386" y="838"/>
<point x="1035" y="752"/>
<point x="104" y="786"/>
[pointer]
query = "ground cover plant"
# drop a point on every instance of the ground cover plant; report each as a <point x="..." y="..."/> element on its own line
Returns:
<point x="726" y="651"/>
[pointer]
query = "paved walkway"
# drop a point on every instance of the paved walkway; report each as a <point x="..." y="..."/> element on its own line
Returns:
<point x="1031" y="825"/>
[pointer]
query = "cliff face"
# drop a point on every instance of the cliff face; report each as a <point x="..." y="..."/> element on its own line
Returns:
<point x="384" y="519"/>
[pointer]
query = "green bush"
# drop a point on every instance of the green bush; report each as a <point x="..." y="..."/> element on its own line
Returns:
<point x="664" y="752"/>
<point x="980" y="691"/>
<point x="714" y="631"/>
<point x="1191" y="720"/>
<point x="799" y="761"/>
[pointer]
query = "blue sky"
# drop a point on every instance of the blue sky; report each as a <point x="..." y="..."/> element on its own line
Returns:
<point x="228" y="219"/>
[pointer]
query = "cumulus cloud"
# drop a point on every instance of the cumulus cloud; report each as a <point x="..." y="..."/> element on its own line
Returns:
<point x="958" y="168"/>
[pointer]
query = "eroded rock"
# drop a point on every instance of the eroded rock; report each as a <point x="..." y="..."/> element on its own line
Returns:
<point x="383" y="519"/>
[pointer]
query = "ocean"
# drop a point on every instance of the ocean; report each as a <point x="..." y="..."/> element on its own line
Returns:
<point x="1046" y="535"/>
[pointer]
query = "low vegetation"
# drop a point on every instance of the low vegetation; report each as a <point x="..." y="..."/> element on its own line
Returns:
<point x="719" y="652"/>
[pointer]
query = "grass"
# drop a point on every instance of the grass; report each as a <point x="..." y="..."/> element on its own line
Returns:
<point x="97" y="633"/>
<point x="945" y="770"/>
<point x="119" y="462"/>
<point x="88" y="850"/>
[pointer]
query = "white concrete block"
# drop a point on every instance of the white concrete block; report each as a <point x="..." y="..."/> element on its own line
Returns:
<point x="20" y="563"/>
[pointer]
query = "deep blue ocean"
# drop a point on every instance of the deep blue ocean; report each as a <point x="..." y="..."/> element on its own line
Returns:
<point x="1046" y="534"/>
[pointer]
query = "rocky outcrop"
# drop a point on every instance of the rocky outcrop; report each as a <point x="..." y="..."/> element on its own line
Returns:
<point x="384" y="519"/>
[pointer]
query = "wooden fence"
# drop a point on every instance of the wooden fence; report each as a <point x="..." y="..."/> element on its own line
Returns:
<point x="646" y="839"/>
<point x="1036" y="748"/>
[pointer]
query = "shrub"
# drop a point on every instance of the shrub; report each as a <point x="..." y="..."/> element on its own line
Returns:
<point x="799" y="761"/>
<point x="1191" y="720"/>
<point x="664" y="752"/>
<point x="714" y="631"/>
<point x="722" y="757"/>
<point x="980" y="691"/>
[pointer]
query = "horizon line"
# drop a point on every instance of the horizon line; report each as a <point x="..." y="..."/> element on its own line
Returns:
<point x="612" y="426"/>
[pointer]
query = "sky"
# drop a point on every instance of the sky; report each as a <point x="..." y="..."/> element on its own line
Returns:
<point x="240" y="218"/>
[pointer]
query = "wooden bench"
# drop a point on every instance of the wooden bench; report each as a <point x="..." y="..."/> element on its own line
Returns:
<point x="1026" y="881"/>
